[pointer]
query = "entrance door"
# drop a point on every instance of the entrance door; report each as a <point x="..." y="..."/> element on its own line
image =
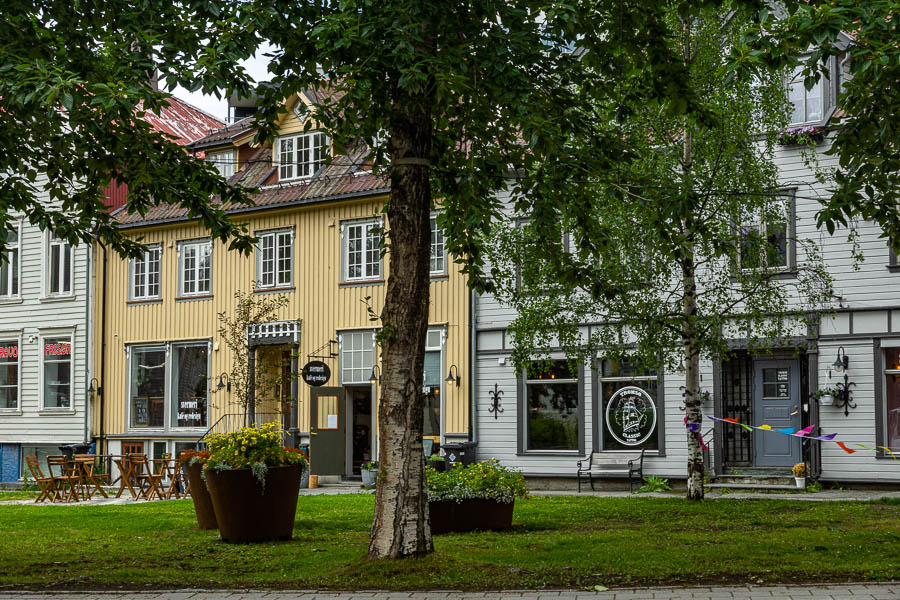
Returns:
<point x="776" y="402"/>
<point x="326" y="431"/>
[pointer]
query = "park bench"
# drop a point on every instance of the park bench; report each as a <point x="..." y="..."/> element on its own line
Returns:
<point x="607" y="464"/>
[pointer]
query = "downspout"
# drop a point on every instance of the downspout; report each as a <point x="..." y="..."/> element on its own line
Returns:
<point x="89" y="370"/>
<point x="100" y="384"/>
<point x="473" y="420"/>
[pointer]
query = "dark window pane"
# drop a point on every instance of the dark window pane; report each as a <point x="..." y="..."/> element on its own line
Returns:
<point x="630" y="416"/>
<point x="552" y="416"/>
<point x="190" y="384"/>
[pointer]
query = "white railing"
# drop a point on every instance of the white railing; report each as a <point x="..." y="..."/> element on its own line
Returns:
<point x="260" y="333"/>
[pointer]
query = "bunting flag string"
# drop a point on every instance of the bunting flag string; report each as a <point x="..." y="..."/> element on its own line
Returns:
<point x="792" y="431"/>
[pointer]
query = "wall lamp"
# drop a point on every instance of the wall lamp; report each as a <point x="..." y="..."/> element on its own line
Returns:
<point x="224" y="382"/>
<point x="842" y="362"/>
<point x="842" y="397"/>
<point x="375" y="376"/>
<point x="451" y="377"/>
<point x="98" y="389"/>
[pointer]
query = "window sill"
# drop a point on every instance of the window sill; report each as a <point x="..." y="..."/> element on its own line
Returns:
<point x="439" y="276"/>
<point x="564" y="453"/>
<point x="141" y="301"/>
<point x="10" y="411"/>
<point x="274" y="290"/>
<point x="11" y="300"/>
<point x="56" y="411"/>
<point x="60" y="298"/>
<point x="193" y="298"/>
<point x="356" y="283"/>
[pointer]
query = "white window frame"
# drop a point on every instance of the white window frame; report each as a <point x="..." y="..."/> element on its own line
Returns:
<point x="823" y="87"/>
<point x="6" y="338"/>
<point x="145" y="263"/>
<point x="438" y="249"/>
<point x="167" y="381"/>
<point x="762" y="226"/>
<point x="300" y="156"/>
<point x="51" y="240"/>
<point x="279" y="239"/>
<point x="225" y="161"/>
<point x="42" y="339"/>
<point x="438" y="334"/>
<point x="18" y="246"/>
<point x="366" y="226"/>
<point x="171" y="382"/>
<point x="199" y="247"/>
<point x="342" y="351"/>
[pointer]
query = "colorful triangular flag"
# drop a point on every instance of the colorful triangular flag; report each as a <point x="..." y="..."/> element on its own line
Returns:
<point x="786" y="431"/>
<point x="766" y="427"/>
<point x="845" y="448"/>
<point x="826" y="438"/>
<point x="805" y="431"/>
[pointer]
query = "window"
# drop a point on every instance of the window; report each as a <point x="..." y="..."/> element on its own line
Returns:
<point x="811" y="106"/>
<point x="9" y="264"/>
<point x="357" y="356"/>
<point x="432" y="383"/>
<point x="300" y="156"/>
<point x="552" y="402"/>
<point x="57" y="371"/>
<point x="361" y="250"/>
<point x="891" y="437"/>
<point x="630" y="411"/>
<point x="223" y="161"/>
<point x="147" y="387"/>
<point x="766" y="242"/>
<point x="190" y="385"/>
<point x="194" y="268"/>
<point x="145" y="274"/>
<point x="59" y="267"/>
<point x="437" y="262"/>
<point x="275" y="259"/>
<point x="9" y="374"/>
<point x="41" y="453"/>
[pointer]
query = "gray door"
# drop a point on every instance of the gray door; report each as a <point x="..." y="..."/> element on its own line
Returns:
<point x="326" y="431"/>
<point x="776" y="402"/>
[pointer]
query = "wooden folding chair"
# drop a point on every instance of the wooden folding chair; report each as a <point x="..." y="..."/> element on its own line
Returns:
<point x="47" y="485"/>
<point x="126" y="476"/>
<point x="147" y="481"/>
<point x="86" y="464"/>
<point x="68" y="477"/>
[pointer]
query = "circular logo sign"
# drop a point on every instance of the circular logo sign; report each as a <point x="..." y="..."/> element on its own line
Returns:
<point x="316" y="373"/>
<point x="631" y="416"/>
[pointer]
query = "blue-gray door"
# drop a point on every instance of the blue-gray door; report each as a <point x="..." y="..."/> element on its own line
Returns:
<point x="776" y="402"/>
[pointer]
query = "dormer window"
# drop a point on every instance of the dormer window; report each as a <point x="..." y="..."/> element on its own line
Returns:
<point x="811" y="106"/>
<point x="224" y="161"/>
<point x="300" y="156"/>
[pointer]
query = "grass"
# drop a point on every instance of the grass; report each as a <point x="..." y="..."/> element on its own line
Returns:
<point x="17" y="495"/>
<point x="555" y="542"/>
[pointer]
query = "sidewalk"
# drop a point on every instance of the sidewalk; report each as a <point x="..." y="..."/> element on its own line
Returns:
<point x="853" y="591"/>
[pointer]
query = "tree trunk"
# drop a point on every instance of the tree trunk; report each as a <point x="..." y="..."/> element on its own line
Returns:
<point x="692" y="399"/>
<point x="400" y="528"/>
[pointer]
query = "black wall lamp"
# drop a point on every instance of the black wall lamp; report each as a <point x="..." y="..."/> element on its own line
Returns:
<point x="451" y="377"/>
<point x="375" y="376"/>
<point x="224" y="382"/>
<point x="98" y="389"/>
<point x="842" y="396"/>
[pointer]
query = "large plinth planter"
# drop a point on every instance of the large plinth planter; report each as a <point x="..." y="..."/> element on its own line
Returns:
<point x="469" y="515"/>
<point x="203" y="508"/>
<point x="249" y="512"/>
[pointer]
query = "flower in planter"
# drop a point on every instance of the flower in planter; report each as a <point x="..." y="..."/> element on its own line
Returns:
<point x="190" y="457"/>
<point x="801" y="136"/>
<point x="487" y="480"/>
<point x="799" y="469"/>
<point x="252" y="448"/>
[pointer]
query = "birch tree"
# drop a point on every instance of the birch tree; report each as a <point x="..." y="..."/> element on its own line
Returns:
<point x="685" y="244"/>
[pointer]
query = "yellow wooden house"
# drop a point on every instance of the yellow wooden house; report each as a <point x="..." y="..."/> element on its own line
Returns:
<point x="163" y="363"/>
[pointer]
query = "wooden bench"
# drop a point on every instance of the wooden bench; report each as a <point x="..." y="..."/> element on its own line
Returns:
<point x="609" y="464"/>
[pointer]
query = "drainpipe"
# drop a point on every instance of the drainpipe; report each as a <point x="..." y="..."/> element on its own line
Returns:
<point x="473" y="420"/>
<point x="101" y="436"/>
<point x="89" y="370"/>
<point x="295" y="395"/>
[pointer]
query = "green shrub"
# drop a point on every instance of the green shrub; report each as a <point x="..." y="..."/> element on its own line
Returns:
<point x="654" y="484"/>
<point x="487" y="480"/>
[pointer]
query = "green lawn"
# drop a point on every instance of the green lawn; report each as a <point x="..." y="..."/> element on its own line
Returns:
<point x="555" y="542"/>
<point x="17" y="495"/>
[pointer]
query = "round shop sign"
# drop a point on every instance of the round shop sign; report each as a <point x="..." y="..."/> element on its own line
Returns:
<point x="316" y="373"/>
<point x="631" y="416"/>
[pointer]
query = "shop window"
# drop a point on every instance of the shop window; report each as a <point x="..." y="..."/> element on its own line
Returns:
<point x="432" y="389"/>
<point x="892" y="399"/>
<point x="357" y="356"/>
<point x="190" y="385"/>
<point x="630" y="410"/>
<point x="148" y="386"/>
<point x="9" y="374"/>
<point x="41" y="453"/>
<point x="57" y="372"/>
<point x="552" y="401"/>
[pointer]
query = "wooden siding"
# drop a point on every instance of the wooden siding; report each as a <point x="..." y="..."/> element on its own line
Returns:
<point x="324" y="305"/>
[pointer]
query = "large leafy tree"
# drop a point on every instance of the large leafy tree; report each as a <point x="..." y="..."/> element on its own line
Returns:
<point x="867" y="139"/>
<point x="682" y="247"/>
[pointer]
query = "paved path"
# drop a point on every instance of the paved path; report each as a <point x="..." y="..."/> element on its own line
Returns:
<point x="855" y="591"/>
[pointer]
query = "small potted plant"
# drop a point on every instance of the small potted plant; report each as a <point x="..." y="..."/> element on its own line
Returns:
<point x="369" y="471"/>
<point x="825" y="396"/>
<point x="799" y="471"/>
<point x="254" y="482"/>
<point x="437" y="462"/>
<point x="470" y="497"/>
<point x="191" y="462"/>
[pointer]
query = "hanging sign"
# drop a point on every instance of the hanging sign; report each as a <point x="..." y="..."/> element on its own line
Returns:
<point x="316" y="373"/>
<point x="631" y="416"/>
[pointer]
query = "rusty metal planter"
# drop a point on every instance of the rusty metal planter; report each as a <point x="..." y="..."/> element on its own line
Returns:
<point x="203" y="508"/>
<point x="469" y="515"/>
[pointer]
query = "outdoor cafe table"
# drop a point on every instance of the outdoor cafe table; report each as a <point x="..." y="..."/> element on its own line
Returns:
<point x="84" y="468"/>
